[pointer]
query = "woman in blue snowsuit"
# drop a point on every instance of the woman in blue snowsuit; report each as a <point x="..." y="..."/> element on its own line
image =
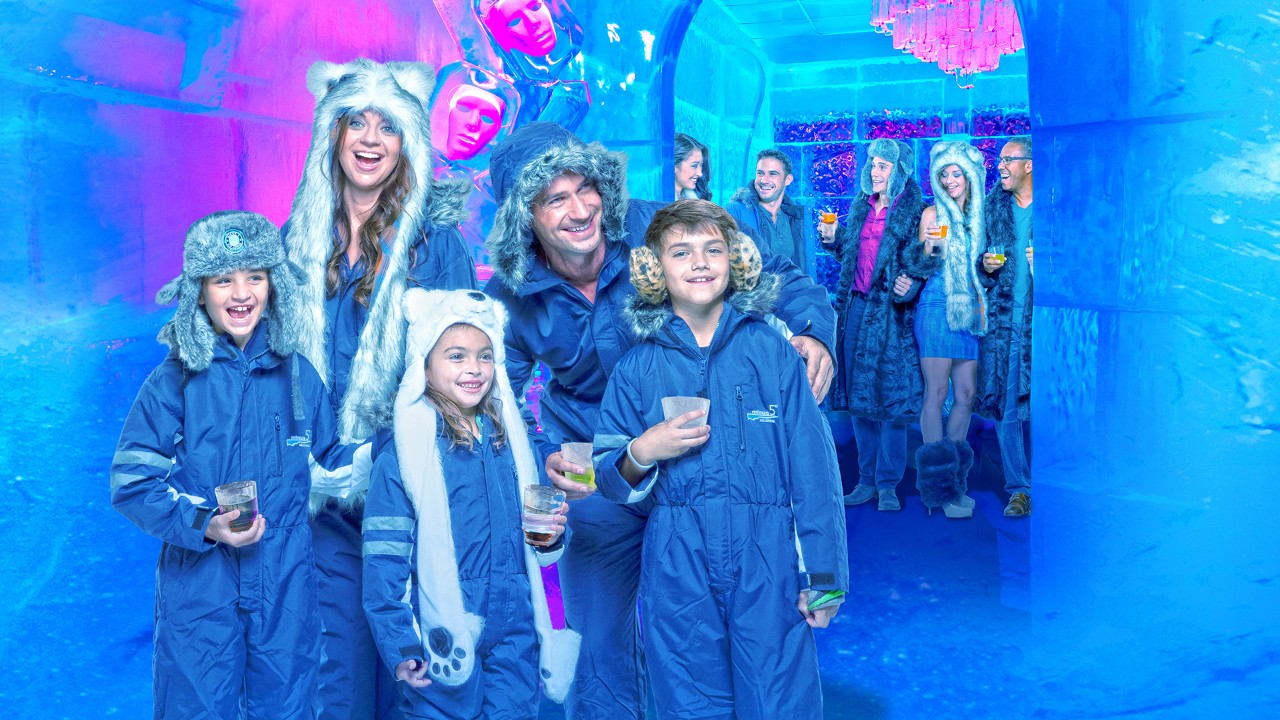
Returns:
<point x="236" y="623"/>
<point x="368" y="222"/>
<point x="746" y="521"/>
<point x="442" y="520"/>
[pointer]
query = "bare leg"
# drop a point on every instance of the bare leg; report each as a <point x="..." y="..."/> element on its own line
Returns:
<point x="964" y="385"/>
<point x="935" y="372"/>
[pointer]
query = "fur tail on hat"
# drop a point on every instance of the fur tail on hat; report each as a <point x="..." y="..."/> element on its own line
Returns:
<point x="936" y="466"/>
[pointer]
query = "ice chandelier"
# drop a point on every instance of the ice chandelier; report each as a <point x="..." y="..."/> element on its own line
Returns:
<point x="963" y="36"/>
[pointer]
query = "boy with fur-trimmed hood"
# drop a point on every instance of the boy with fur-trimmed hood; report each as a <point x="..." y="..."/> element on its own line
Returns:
<point x="560" y="244"/>
<point x="236" y="623"/>
<point x="745" y="545"/>
<point x="368" y="222"/>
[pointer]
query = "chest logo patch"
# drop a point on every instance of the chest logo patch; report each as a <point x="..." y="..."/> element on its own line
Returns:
<point x="764" y="416"/>
<point x="299" y="440"/>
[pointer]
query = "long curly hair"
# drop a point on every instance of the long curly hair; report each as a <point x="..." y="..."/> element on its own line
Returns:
<point x="381" y="221"/>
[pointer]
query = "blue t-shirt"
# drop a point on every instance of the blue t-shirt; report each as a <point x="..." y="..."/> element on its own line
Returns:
<point x="1018" y="258"/>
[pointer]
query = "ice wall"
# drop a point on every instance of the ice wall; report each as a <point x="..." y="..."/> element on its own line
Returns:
<point x="1156" y="576"/>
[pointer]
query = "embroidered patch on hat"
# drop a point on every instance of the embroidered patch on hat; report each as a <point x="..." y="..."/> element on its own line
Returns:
<point x="233" y="241"/>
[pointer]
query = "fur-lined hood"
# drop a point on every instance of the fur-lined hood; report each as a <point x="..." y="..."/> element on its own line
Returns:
<point x="897" y="152"/>
<point x="646" y="318"/>
<point x="399" y="91"/>
<point x="966" y="299"/>
<point x="525" y="163"/>
<point x="215" y="245"/>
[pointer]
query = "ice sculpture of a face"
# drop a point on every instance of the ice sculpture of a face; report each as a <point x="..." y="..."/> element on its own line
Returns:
<point x="523" y="25"/>
<point x="475" y="116"/>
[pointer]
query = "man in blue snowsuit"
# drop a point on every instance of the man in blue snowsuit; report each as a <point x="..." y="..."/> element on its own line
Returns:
<point x="748" y="520"/>
<point x="236" y="622"/>
<point x="559" y="247"/>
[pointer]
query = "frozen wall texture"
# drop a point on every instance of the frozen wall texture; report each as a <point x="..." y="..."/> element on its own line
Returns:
<point x="1156" y="576"/>
<point x="722" y="97"/>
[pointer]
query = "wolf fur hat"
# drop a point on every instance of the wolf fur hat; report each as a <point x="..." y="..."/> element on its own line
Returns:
<point x="445" y="624"/>
<point x="895" y="152"/>
<point x="966" y="235"/>
<point x="399" y="91"/>
<point x="524" y="164"/>
<point x="215" y="245"/>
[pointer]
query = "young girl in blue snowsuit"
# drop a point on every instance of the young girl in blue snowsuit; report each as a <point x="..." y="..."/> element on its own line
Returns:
<point x="236" y="630"/>
<point x="745" y="549"/>
<point x="453" y="594"/>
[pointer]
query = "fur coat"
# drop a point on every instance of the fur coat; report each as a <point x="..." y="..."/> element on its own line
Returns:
<point x="993" y="350"/>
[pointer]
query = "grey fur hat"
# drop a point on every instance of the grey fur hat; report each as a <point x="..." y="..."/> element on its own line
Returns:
<point x="215" y="245"/>
<point x="897" y="152"/>
<point x="400" y="92"/>
<point x="525" y="163"/>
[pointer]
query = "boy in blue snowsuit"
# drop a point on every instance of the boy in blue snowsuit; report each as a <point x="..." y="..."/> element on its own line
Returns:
<point x="745" y="549"/>
<point x="236" y="632"/>
<point x="453" y="594"/>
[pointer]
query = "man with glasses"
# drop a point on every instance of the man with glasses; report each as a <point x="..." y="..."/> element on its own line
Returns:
<point x="1004" y="354"/>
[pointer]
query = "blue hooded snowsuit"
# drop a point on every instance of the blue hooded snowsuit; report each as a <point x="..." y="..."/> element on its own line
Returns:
<point x="580" y="342"/>
<point x="485" y="517"/>
<point x="233" y="625"/>
<point x="426" y="251"/>
<point x="721" y="574"/>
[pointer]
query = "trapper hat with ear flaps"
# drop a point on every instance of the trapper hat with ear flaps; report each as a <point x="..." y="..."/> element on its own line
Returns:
<point x="450" y="633"/>
<point x="219" y="244"/>
<point x="895" y="152"/>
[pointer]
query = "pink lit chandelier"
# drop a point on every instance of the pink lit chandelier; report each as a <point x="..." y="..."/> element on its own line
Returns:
<point x="963" y="36"/>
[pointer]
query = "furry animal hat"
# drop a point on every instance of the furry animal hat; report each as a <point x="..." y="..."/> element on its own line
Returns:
<point x="522" y="166"/>
<point x="452" y="633"/>
<point x="966" y="298"/>
<point x="399" y="91"/>
<point x="895" y="152"/>
<point x="218" y="244"/>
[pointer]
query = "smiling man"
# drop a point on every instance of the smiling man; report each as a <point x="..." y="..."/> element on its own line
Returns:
<point x="765" y="207"/>
<point x="560" y="247"/>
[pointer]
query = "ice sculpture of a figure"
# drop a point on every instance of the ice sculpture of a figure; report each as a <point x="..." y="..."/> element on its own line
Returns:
<point x="535" y="38"/>
<point x="474" y="118"/>
<point x="471" y="109"/>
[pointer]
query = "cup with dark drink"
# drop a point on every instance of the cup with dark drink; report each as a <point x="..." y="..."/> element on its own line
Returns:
<point x="540" y="505"/>
<point x="241" y="495"/>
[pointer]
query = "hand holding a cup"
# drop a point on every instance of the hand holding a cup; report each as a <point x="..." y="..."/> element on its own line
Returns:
<point x="1031" y="265"/>
<point x="827" y="228"/>
<point x="559" y="468"/>
<point x="219" y="530"/>
<point x="543" y="518"/>
<point x="993" y="259"/>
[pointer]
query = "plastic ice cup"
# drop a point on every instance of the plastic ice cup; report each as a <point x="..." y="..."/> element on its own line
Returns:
<point x="580" y="454"/>
<point x="828" y="217"/>
<point x="676" y="405"/>
<point x="997" y="253"/>
<point x="241" y="495"/>
<point x="540" y="505"/>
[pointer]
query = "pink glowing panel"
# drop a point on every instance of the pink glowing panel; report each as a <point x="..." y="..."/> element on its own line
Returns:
<point x="521" y="25"/>
<point x="465" y="121"/>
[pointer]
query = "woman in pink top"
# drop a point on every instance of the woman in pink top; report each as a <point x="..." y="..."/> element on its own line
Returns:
<point x="879" y="379"/>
